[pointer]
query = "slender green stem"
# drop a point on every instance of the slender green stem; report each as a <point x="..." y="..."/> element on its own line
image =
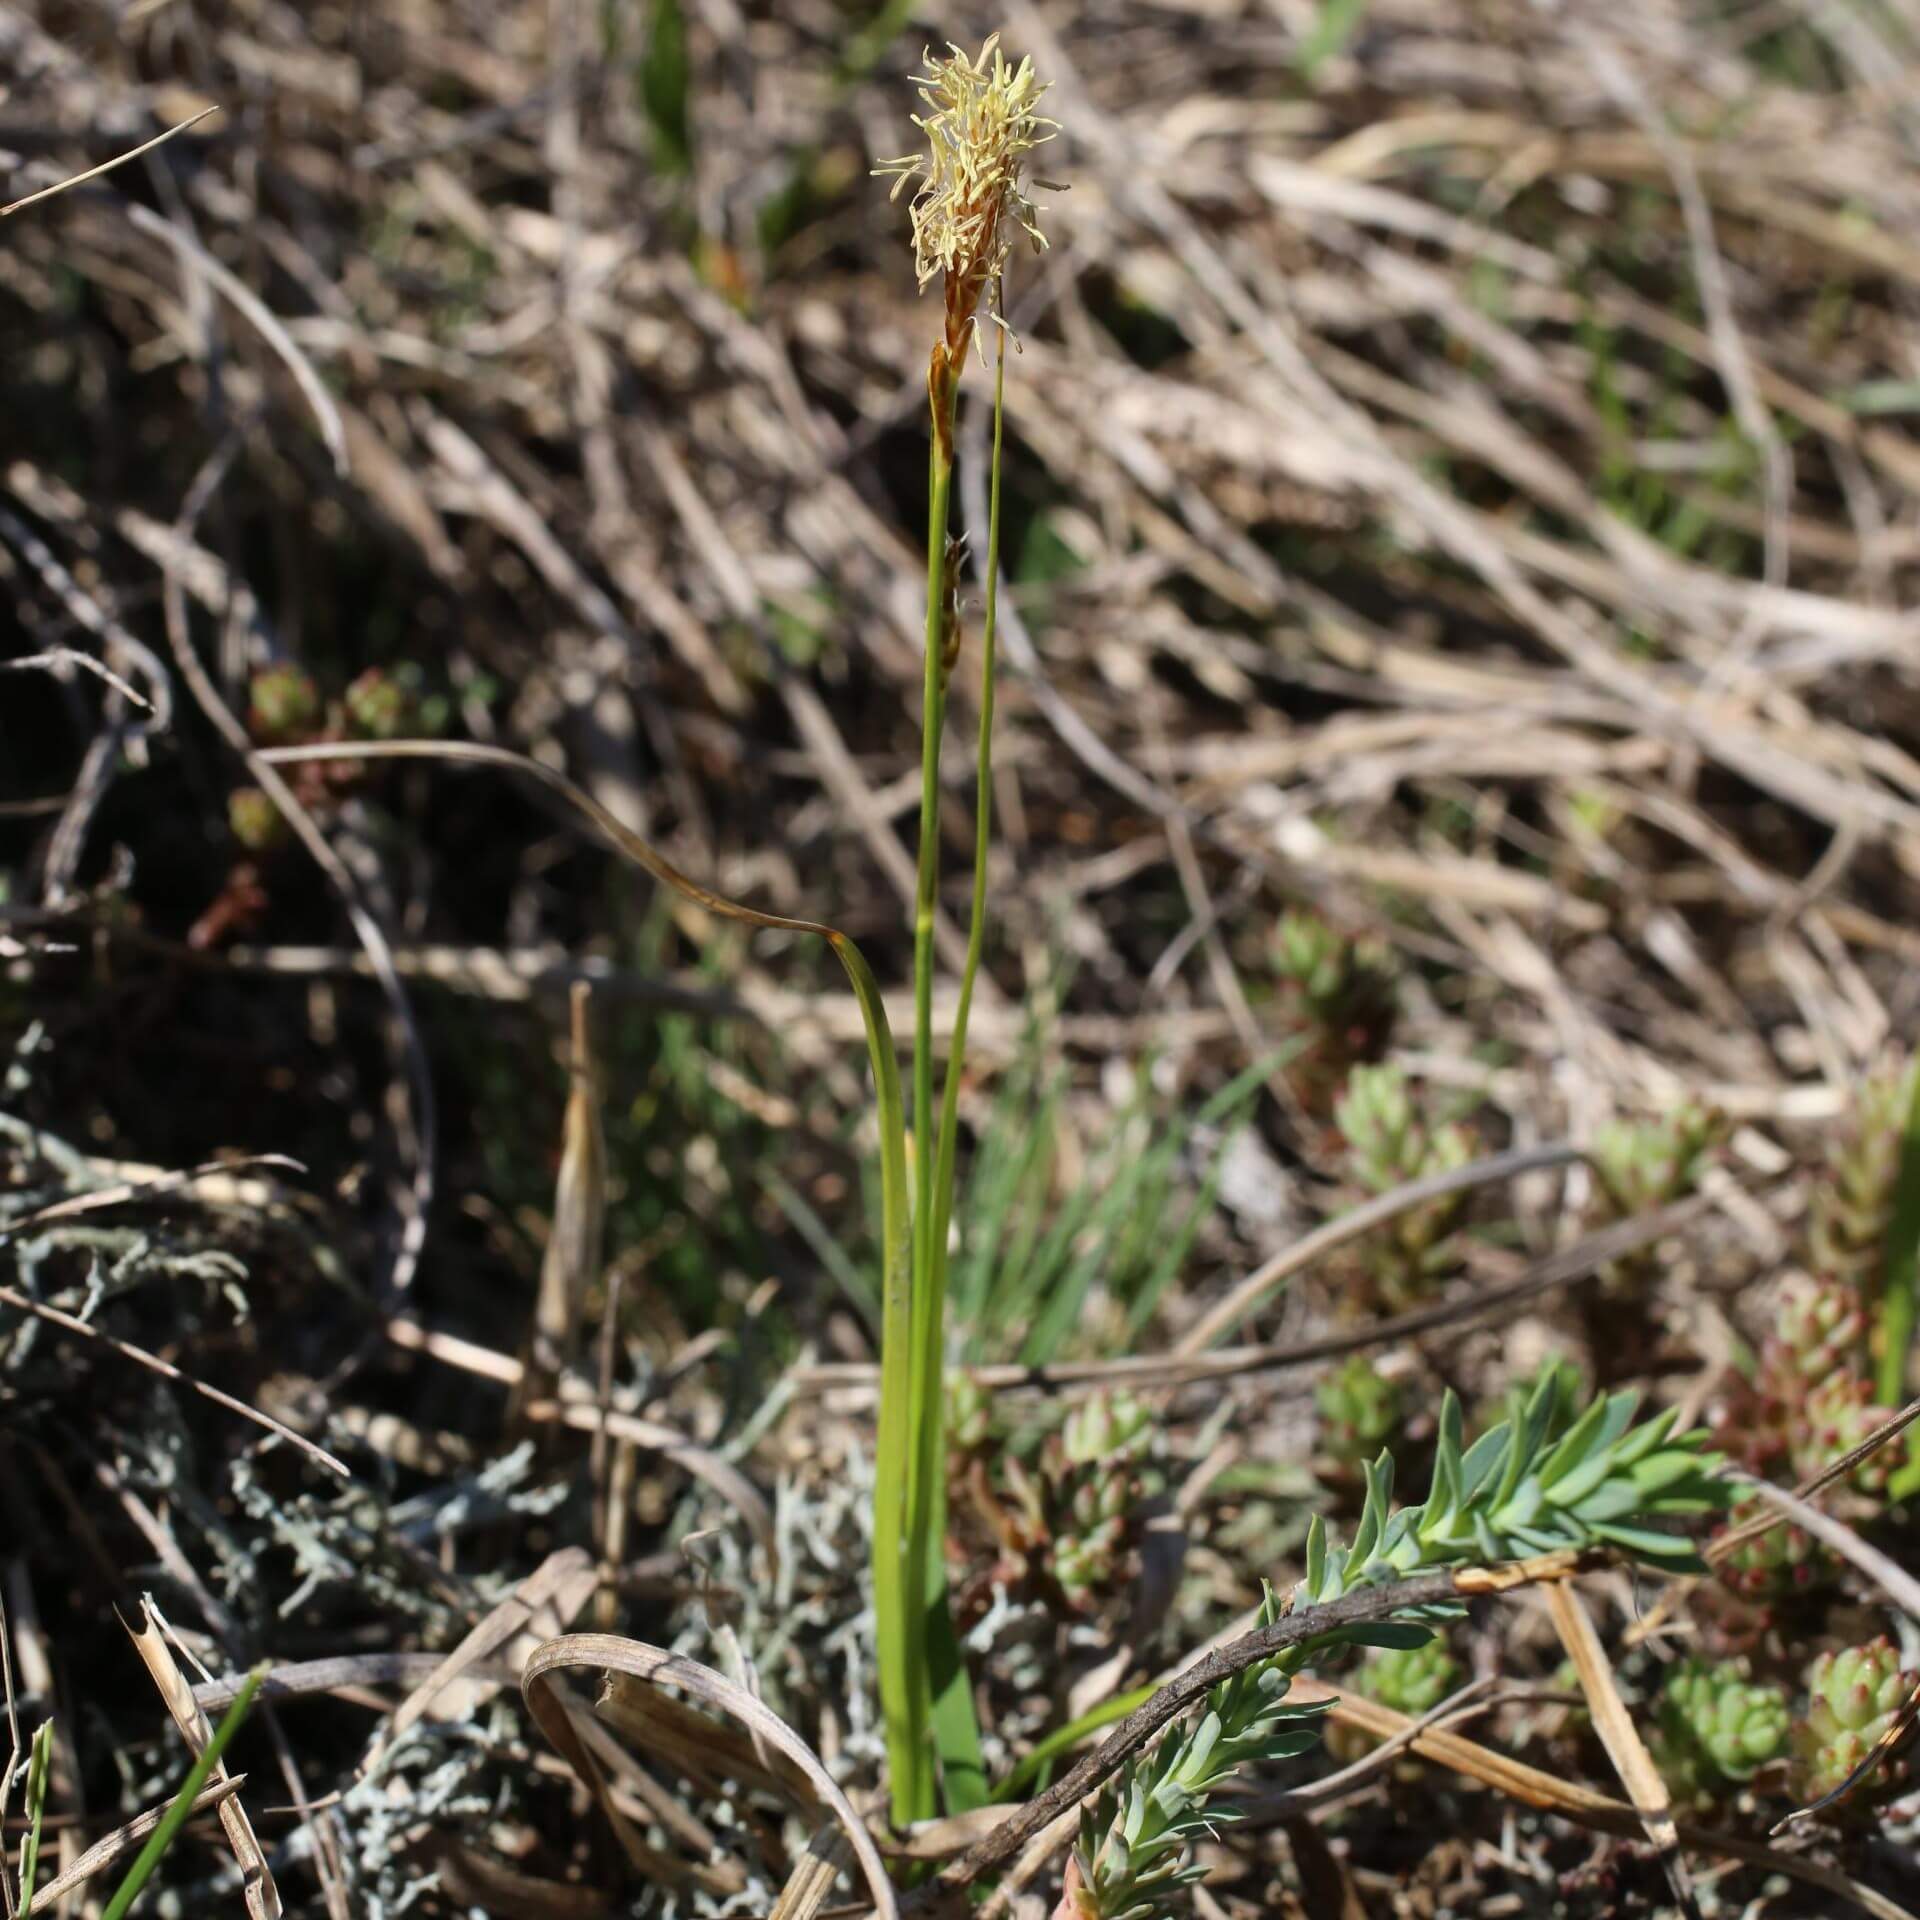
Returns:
<point x="933" y="715"/>
<point x="1898" y="1302"/>
<point x="911" y="1757"/>
<point x="956" y="1734"/>
<point x="899" y="1618"/>
<point x="1065" y="1739"/>
<point x="38" y="1768"/>
<point x="164" y="1835"/>
<point x="982" y="835"/>
<point x="902" y="1671"/>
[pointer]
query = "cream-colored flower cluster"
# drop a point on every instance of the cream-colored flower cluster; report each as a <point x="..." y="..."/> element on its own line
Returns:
<point x="980" y="127"/>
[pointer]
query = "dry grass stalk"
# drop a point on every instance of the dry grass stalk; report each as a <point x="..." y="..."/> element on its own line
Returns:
<point x="150" y="1642"/>
<point x="123" y="1840"/>
<point x="1618" y="1733"/>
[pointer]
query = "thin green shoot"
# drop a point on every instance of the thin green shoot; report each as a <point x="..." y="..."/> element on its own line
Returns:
<point x="1031" y="1257"/>
<point x="1006" y="1195"/>
<point x="664" y="78"/>
<point x="1030" y="1776"/>
<point x="38" y="1769"/>
<point x="1898" y="1303"/>
<point x="1333" y="26"/>
<point x="956" y="1733"/>
<point x="168" y="1831"/>
<point x="914" y="1785"/>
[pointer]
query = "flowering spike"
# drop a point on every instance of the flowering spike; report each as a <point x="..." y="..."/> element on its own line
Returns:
<point x="980" y="127"/>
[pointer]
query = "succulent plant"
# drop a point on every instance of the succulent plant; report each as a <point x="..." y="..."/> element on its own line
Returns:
<point x="1335" y="995"/>
<point x="1644" y="1164"/>
<point x="1821" y="1331"/>
<point x="1411" y="1680"/>
<point x="1089" y="1555"/>
<point x="1388" y="1144"/>
<point x="1132" y="1861"/>
<point x="1067" y="1525"/>
<point x="1810" y="1401"/>
<point x="1774" y="1565"/>
<point x="1092" y="1473"/>
<point x="1106" y="1427"/>
<point x="254" y="820"/>
<point x="1715" y="1727"/>
<point x="969" y="1414"/>
<point x="1852" y="1201"/>
<point x="1854" y="1694"/>
<point x="1837" y="1416"/>
<point x="378" y="706"/>
<point x="1566" y="1387"/>
<point x="1360" y="1411"/>
<point x="283" y="705"/>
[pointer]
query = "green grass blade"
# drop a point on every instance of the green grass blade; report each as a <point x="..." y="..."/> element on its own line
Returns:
<point x="914" y="1782"/>
<point x="1335" y="24"/>
<point x="664" y="81"/>
<point x="1065" y="1739"/>
<point x="164" y="1835"/>
<point x="898" y="1590"/>
<point x="1898" y="1303"/>
<point x="1000" y="1168"/>
<point x="1061" y="1310"/>
<point x="956" y="1732"/>
<point x="38" y="1767"/>
<point x="1030" y="1205"/>
<point x="1140" y="1309"/>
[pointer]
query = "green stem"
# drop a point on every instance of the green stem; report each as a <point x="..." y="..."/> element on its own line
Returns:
<point x="955" y="1731"/>
<point x="933" y="717"/>
<point x="38" y="1768"/>
<point x="912" y="1763"/>
<point x="901" y="1653"/>
<point x="982" y="835"/>
<point x="1898" y="1302"/>
<point x="902" y="1673"/>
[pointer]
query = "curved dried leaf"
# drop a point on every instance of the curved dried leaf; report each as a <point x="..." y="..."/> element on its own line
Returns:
<point x="654" y="1667"/>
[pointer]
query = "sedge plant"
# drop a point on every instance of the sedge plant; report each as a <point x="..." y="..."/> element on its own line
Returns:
<point x="968" y="214"/>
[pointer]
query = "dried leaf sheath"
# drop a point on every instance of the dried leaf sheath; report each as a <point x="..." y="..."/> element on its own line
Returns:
<point x="577" y="1239"/>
